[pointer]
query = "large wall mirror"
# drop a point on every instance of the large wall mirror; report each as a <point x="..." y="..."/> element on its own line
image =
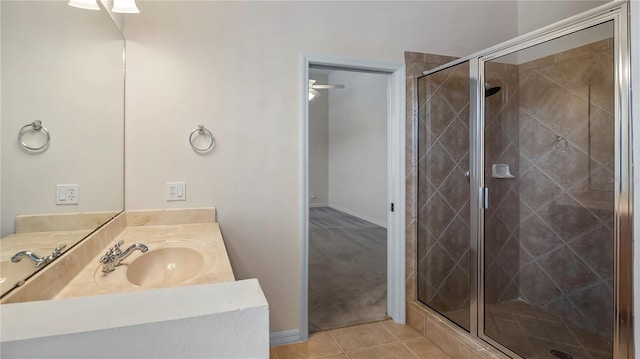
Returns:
<point x="62" y="131"/>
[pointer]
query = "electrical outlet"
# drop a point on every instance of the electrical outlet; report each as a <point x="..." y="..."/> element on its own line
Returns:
<point x="176" y="191"/>
<point x="67" y="194"/>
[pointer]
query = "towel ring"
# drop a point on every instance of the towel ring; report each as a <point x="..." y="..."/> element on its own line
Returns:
<point x="201" y="131"/>
<point x="35" y="126"/>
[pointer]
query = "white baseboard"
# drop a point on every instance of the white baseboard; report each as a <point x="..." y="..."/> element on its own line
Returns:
<point x="285" y="337"/>
<point x="359" y="215"/>
<point x="313" y="205"/>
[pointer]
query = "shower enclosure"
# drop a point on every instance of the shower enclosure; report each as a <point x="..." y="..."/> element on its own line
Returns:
<point x="524" y="235"/>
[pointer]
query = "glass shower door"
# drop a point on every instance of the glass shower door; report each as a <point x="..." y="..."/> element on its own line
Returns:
<point x="443" y="193"/>
<point x="549" y="166"/>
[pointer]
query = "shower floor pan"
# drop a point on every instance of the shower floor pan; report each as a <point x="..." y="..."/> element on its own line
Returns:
<point x="534" y="333"/>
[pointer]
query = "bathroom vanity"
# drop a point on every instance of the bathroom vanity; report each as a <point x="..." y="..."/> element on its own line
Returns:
<point x="177" y="299"/>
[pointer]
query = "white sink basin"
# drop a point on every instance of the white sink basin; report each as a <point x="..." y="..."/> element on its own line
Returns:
<point x="165" y="267"/>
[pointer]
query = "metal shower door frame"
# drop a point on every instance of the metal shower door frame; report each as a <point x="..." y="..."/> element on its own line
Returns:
<point x="618" y="12"/>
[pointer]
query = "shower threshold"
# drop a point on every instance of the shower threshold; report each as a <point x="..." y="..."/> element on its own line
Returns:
<point x="536" y="334"/>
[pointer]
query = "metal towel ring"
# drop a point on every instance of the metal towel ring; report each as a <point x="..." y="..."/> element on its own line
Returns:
<point x="35" y="126"/>
<point x="201" y="131"/>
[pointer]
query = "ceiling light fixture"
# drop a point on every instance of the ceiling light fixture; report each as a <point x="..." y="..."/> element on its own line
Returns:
<point x="312" y="88"/>
<point x="84" y="4"/>
<point x="312" y="94"/>
<point x="125" y="7"/>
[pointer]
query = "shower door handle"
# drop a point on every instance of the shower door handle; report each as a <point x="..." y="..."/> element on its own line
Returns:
<point x="484" y="197"/>
<point x="467" y="175"/>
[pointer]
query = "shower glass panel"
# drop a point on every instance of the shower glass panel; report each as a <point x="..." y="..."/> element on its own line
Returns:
<point x="548" y="165"/>
<point x="443" y="193"/>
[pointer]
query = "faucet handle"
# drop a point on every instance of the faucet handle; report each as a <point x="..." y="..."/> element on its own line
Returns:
<point x="115" y="250"/>
<point x="112" y="253"/>
<point x="117" y="246"/>
<point x="58" y="250"/>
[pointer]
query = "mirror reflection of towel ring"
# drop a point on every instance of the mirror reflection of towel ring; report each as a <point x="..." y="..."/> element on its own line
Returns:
<point x="35" y="126"/>
<point x="201" y="131"/>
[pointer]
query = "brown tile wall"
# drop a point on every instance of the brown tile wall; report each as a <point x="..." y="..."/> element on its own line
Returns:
<point x="442" y="206"/>
<point x="451" y="338"/>
<point x="566" y="196"/>
<point x="502" y="241"/>
<point x="443" y="191"/>
<point x="416" y="64"/>
<point x="552" y="225"/>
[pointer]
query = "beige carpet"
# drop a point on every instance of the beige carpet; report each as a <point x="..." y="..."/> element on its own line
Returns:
<point x="347" y="270"/>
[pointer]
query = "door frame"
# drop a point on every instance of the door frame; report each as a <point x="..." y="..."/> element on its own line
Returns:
<point x="396" y="129"/>
<point x="623" y="346"/>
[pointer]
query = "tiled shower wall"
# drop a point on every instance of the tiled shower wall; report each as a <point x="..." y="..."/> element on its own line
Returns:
<point x="552" y="225"/>
<point x="502" y="240"/>
<point x="449" y="337"/>
<point x="443" y="191"/>
<point x="416" y="64"/>
<point x="566" y="163"/>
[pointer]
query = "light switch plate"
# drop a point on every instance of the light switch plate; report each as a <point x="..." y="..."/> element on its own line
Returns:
<point x="176" y="191"/>
<point x="67" y="194"/>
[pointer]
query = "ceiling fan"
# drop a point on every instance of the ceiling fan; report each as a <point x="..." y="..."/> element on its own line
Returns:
<point x="313" y="87"/>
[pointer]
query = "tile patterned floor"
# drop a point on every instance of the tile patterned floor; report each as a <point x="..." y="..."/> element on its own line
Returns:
<point x="379" y="340"/>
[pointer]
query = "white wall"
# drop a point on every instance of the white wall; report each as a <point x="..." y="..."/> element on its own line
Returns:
<point x="222" y="336"/>
<point x="222" y="320"/>
<point x="358" y="145"/>
<point x="533" y="15"/>
<point x="235" y="67"/>
<point x="319" y="143"/>
<point x="63" y="66"/>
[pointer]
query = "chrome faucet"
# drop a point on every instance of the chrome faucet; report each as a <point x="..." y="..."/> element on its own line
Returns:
<point x="115" y="255"/>
<point x="39" y="261"/>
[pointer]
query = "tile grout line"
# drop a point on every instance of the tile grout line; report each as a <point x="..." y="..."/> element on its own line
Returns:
<point x="398" y="340"/>
<point x="389" y="331"/>
<point x="360" y="350"/>
<point x="410" y="351"/>
<point x="330" y="333"/>
<point x="419" y="337"/>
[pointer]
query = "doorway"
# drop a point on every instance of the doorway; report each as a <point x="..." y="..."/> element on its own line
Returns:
<point x="348" y="198"/>
<point x="352" y="236"/>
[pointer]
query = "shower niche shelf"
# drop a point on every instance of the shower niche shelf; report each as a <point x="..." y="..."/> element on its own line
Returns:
<point x="501" y="170"/>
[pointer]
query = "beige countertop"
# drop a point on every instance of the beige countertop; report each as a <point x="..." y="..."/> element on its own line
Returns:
<point x="40" y="243"/>
<point x="203" y="238"/>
